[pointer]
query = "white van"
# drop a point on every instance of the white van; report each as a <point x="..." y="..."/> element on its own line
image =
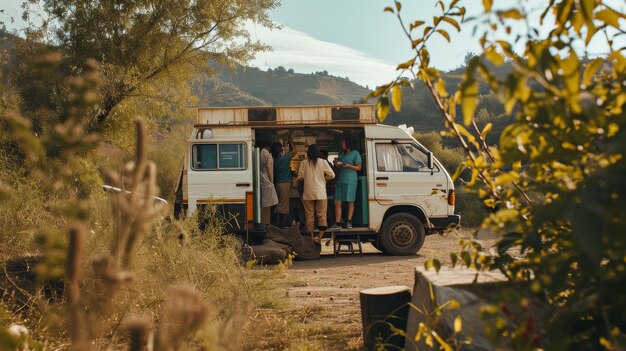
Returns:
<point x="403" y="192"/>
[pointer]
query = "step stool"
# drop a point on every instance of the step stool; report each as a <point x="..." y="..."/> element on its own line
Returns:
<point x="349" y="241"/>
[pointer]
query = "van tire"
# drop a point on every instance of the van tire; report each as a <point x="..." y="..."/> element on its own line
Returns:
<point x="402" y="234"/>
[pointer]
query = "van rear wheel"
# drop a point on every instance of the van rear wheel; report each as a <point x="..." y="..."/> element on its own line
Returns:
<point x="402" y="234"/>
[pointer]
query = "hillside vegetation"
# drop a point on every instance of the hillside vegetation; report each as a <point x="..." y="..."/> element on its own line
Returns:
<point x="252" y="86"/>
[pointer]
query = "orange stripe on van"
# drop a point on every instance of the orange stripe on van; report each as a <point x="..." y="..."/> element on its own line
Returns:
<point x="379" y="200"/>
<point x="250" y="206"/>
<point x="221" y="201"/>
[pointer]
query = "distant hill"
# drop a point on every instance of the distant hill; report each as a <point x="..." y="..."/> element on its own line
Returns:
<point x="420" y="111"/>
<point x="252" y="86"/>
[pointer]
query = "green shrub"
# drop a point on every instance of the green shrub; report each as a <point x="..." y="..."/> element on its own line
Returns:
<point x="471" y="208"/>
<point x="450" y="158"/>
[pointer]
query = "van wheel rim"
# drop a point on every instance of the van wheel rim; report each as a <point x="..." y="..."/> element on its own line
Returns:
<point x="403" y="234"/>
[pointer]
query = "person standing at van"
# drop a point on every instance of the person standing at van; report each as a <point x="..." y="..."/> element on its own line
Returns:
<point x="282" y="177"/>
<point x="348" y="163"/>
<point x="315" y="172"/>
<point x="268" y="192"/>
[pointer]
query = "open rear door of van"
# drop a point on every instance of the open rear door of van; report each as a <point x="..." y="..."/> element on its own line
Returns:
<point x="220" y="173"/>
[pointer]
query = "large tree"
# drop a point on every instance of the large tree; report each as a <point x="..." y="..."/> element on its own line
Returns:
<point x="149" y="50"/>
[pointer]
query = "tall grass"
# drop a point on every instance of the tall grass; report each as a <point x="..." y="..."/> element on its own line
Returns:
<point x="126" y="269"/>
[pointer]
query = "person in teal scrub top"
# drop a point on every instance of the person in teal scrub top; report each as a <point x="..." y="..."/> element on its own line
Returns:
<point x="348" y="163"/>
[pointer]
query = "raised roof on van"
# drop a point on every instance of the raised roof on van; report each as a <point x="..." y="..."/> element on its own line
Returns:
<point x="286" y="115"/>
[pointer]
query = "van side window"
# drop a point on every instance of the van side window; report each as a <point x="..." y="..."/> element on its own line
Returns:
<point x="215" y="157"/>
<point x="404" y="157"/>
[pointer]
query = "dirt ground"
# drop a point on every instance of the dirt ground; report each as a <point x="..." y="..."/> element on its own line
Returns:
<point x="324" y="294"/>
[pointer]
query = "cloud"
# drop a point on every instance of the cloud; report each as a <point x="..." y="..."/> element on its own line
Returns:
<point x="305" y="54"/>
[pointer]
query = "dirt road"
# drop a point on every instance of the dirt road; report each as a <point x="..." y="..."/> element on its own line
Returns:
<point x="324" y="294"/>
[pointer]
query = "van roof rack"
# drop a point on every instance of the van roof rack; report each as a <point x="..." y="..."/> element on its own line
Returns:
<point x="269" y="116"/>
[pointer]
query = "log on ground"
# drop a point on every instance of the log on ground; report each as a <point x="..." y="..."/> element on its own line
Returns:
<point x="269" y="254"/>
<point x="303" y="246"/>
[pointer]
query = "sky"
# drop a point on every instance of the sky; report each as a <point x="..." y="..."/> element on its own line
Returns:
<point x="352" y="38"/>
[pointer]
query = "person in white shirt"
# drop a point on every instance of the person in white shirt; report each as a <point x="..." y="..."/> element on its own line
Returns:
<point x="315" y="173"/>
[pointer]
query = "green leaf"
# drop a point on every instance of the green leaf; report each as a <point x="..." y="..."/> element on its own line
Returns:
<point x="591" y="69"/>
<point x="444" y="34"/>
<point x="491" y="203"/>
<point x="458" y="324"/>
<point x="427" y="30"/>
<point x="487" y="129"/>
<point x="571" y="73"/>
<point x="467" y="259"/>
<point x="453" y="22"/>
<point x="425" y="57"/>
<point x="459" y="170"/>
<point x="492" y="55"/>
<point x="379" y="91"/>
<point x="609" y="17"/>
<point x="512" y="14"/>
<point x="382" y="108"/>
<point x="469" y="99"/>
<point x="591" y="32"/>
<point x="416" y="24"/>
<point x="564" y="9"/>
<point x="396" y="97"/>
<point x="406" y="65"/>
<point x="454" y="258"/>
<point x="436" y="265"/>
<point x="428" y="264"/>
<point x="487" y="5"/>
<point x="440" y="87"/>
<point x="587" y="8"/>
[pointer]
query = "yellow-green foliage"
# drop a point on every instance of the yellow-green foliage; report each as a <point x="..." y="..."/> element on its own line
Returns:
<point x="555" y="180"/>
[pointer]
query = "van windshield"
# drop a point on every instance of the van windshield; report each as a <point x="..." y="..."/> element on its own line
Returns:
<point x="401" y="157"/>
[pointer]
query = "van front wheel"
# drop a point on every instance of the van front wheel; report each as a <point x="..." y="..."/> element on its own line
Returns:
<point x="402" y="234"/>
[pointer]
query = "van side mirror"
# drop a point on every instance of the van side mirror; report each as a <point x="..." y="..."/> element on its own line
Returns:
<point x="431" y="164"/>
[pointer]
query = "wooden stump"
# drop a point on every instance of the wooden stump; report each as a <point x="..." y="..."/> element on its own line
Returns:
<point x="470" y="289"/>
<point x="382" y="308"/>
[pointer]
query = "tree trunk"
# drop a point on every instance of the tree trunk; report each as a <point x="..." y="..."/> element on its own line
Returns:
<point x="382" y="308"/>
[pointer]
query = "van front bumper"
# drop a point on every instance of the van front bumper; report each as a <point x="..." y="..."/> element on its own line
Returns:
<point x="441" y="223"/>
